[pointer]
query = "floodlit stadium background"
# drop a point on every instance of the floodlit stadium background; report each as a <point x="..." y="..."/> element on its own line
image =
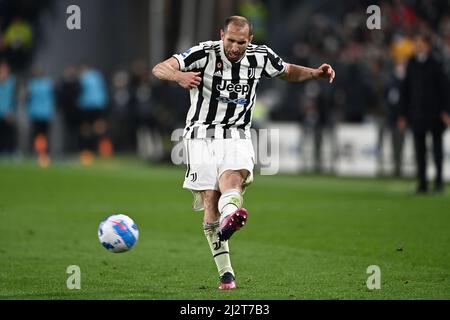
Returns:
<point x="343" y="128"/>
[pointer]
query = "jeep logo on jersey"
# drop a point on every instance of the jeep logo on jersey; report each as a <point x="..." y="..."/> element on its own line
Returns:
<point x="232" y="87"/>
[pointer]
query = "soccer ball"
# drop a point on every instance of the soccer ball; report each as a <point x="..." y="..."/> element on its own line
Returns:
<point x="118" y="233"/>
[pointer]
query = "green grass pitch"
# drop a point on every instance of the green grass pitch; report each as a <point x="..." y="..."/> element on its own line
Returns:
<point x="308" y="237"/>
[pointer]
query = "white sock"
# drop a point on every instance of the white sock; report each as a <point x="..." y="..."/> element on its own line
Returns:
<point x="229" y="202"/>
<point x="219" y="249"/>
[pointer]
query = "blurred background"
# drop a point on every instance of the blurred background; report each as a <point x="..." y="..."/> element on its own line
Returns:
<point x="88" y="93"/>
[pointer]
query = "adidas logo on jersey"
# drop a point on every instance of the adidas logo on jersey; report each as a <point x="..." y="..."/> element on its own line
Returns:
<point x="217" y="73"/>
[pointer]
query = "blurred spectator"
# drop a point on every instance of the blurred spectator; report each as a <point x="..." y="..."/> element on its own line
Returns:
<point x="41" y="111"/>
<point x="425" y="107"/>
<point x="402" y="48"/>
<point x="392" y="97"/>
<point x="93" y="129"/>
<point x="121" y="118"/>
<point x="444" y="30"/>
<point x="403" y="15"/>
<point x="325" y="123"/>
<point x="68" y="93"/>
<point x="317" y="119"/>
<point x="146" y="123"/>
<point x="18" y="39"/>
<point x="355" y="85"/>
<point x="256" y="12"/>
<point x="3" y="55"/>
<point x="7" y="106"/>
<point x="376" y="110"/>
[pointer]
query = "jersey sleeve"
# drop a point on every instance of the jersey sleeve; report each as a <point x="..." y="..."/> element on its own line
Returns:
<point x="192" y="58"/>
<point x="274" y="65"/>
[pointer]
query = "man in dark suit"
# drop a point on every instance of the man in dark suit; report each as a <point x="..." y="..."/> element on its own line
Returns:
<point x="425" y="106"/>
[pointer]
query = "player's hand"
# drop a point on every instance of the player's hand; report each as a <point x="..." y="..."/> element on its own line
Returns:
<point x="401" y="123"/>
<point x="326" y="71"/>
<point x="446" y="118"/>
<point x="188" y="80"/>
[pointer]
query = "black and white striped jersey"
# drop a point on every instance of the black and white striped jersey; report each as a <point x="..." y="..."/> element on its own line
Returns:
<point x="222" y="105"/>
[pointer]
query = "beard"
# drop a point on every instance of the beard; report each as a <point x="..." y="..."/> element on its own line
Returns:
<point x="233" y="56"/>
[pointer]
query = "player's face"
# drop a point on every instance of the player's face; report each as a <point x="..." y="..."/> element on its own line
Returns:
<point x="235" y="41"/>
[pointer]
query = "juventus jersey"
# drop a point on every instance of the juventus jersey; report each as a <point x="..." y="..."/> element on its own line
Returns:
<point x="222" y="105"/>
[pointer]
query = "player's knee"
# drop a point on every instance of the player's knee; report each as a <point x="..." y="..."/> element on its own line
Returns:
<point x="232" y="179"/>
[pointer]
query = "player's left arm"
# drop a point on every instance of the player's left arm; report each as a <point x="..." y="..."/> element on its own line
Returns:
<point x="298" y="73"/>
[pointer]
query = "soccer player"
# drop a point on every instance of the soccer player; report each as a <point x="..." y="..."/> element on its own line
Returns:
<point x="222" y="78"/>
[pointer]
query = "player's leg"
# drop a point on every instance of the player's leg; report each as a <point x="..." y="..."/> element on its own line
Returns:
<point x="232" y="215"/>
<point x="235" y="173"/>
<point x="201" y="175"/>
<point x="219" y="249"/>
<point x="210" y="199"/>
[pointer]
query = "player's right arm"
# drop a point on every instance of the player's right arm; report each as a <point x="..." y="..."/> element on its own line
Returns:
<point x="170" y="70"/>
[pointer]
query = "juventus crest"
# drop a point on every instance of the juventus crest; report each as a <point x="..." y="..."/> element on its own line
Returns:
<point x="251" y="73"/>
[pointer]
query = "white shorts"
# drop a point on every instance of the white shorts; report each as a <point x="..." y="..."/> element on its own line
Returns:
<point x="208" y="159"/>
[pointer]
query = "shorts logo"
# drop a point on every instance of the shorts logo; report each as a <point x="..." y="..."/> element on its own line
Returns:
<point x="193" y="177"/>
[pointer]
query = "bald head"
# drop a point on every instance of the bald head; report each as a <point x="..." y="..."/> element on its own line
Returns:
<point x="239" y="23"/>
<point x="236" y="36"/>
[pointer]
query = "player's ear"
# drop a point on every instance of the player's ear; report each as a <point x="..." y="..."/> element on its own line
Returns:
<point x="222" y="34"/>
<point x="251" y="38"/>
